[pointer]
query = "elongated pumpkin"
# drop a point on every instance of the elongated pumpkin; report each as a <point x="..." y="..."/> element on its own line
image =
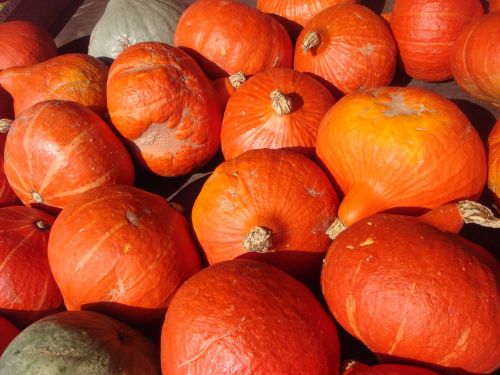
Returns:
<point x="494" y="161"/>
<point x="9" y="331"/>
<point x="279" y="108"/>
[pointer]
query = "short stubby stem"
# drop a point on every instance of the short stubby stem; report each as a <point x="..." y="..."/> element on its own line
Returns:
<point x="258" y="240"/>
<point x="311" y="40"/>
<point x="281" y="103"/>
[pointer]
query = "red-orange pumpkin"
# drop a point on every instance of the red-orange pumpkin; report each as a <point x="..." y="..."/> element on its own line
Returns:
<point x="58" y="149"/>
<point x="226" y="36"/>
<point x="9" y="331"/>
<point x="425" y="31"/>
<point x="75" y="77"/>
<point x="279" y="108"/>
<point x="409" y="290"/>
<point x="494" y="5"/>
<point x="7" y="195"/>
<point x="246" y="317"/>
<point x="494" y="161"/>
<point x="121" y="251"/>
<point x="347" y="46"/>
<point x="28" y="291"/>
<point x="400" y="148"/>
<point x="226" y="86"/>
<point x="356" y="368"/>
<point x="163" y="104"/>
<point x="475" y="59"/>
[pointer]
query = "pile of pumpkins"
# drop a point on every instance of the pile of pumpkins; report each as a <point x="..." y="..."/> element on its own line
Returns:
<point x="338" y="204"/>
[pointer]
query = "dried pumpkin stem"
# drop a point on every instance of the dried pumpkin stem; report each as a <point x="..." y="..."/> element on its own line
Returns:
<point x="311" y="40"/>
<point x="40" y="224"/>
<point x="37" y="197"/>
<point x="237" y="79"/>
<point x="476" y="213"/>
<point x="281" y="103"/>
<point x="5" y="125"/>
<point x="336" y="228"/>
<point x="258" y="240"/>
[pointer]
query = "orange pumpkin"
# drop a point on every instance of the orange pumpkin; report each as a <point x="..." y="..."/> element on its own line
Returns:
<point x="58" y="149"/>
<point x="163" y="104"/>
<point x="411" y="291"/>
<point x="356" y="368"/>
<point x="347" y="46"/>
<point x="494" y="161"/>
<point x="226" y="86"/>
<point x="425" y="31"/>
<point x="226" y="37"/>
<point x="7" y="195"/>
<point x="75" y="77"/>
<point x="494" y="5"/>
<point x="475" y="59"/>
<point x="279" y="108"/>
<point x="9" y="331"/>
<point x="400" y="148"/>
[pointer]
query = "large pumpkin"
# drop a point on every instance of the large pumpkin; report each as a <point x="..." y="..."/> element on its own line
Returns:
<point x="7" y="195"/>
<point x="121" y="251"/>
<point x="494" y="161"/>
<point x="279" y="108"/>
<point x="163" y="104"/>
<point x="9" y="331"/>
<point x="356" y="368"/>
<point x="475" y="59"/>
<point x="58" y="149"/>
<point x="246" y="317"/>
<point x="27" y="288"/>
<point x="400" y="148"/>
<point x="226" y="36"/>
<point x="425" y="31"/>
<point x="78" y="343"/>
<point x="75" y="77"/>
<point x="409" y="290"/>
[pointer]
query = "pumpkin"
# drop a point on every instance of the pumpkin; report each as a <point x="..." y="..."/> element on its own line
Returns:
<point x="9" y="331"/>
<point x="122" y="251"/>
<point x="247" y="317"/>
<point x="400" y="148"/>
<point x="391" y="281"/>
<point x="58" y="149"/>
<point x="224" y="87"/>
<point x="123" y="24"/>
<point x="475" y="59"/>
<point x="28" y="291"/>
<point x="425" y="31"/>
<point x="494" y="161"/>
<point x="357" y="368"/>
<point x="272" y="205"/>
<point x="279" y="108"/>
<point x="7" y="195"/>
<point x="494" y="5"/>
<point x="163" y="104"/>
<point x="75" y="77"/>
<point x="234" y="38"/>
<point x="348" y="47"/>
<point x="80" y="342"/>
<point x="294" y="14"/>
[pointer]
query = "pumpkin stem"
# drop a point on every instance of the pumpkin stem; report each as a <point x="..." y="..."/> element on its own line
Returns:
<point x="476" y="213"/>
<point x="237" y="79"/>
<point x="40" y="224"/>
<point x="311" y="40"/>
<point x="282" y="104"/>
<point x="37" y="197"/>
<point x="5" y="125"/>
<point x="258" y="240"/>
<point x="176" y="206"/>
<point x="336" y="228"/>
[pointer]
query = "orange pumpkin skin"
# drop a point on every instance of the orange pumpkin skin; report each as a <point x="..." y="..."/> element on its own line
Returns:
<point x="28" y="291"/>
<point x="392" y="281"/>
<point x="246" y="317"/>
<point x="74" y="77"/>
<point x="163" y="104"/>
<point x="425" y="32"/>
<point x="408" y="149"/>
<point x="355" y="49"/>
<point x="475" y="59"/>
<point x="494" y="5"/>
<point x="7" y="195"/>
<point x="121" y="251"/>
<point x="58" y="149"/>
<point x="357" y="368"/>
<point x="494" y="161"/>
<point x="9" y="331"/>
<point x="262" y="43"/>
<point x="253" y="119"/>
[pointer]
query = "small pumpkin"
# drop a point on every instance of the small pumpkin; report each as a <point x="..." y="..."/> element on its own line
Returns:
<point x="9" y="331"/>
<point x="75" y="77"/>
<point x="121" y="251"/>
<point x="494" y="5"/>
<point x="28" y="291"/>
<point x="80" y="342"/>
<point x="234" y="38"/>
<point x="7" y="195"/>
<point x="494" y="161"/>
<point x="475" y="59"/>
<point x="425" y="31"/>
<point x="58" y="149"/>
<point x="163" y="104"/>
<point x="357" y="368"/>
<point x="279" y="108"/>
<point x="247" y="317"/>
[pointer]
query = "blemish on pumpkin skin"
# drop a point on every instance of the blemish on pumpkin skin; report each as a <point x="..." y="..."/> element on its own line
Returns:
<point x="367" y="49"/>
<point x="126" y="248"/>
<point x="132" y="218"/>
<point x="398" y="338"/>
<point x="350" y="247"/>
<point x="367" y="242"/>
<point x="313" y="193"/>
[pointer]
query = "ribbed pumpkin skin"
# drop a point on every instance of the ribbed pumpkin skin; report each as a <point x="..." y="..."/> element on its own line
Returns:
<point x="80" y="343"/>
<point x="425" y="31"/>
<point x="386" y="369"/>
<point x="7" y="195"/>
<point x="74" y="77"/>
<point x="475" y="59"/>
<point x="122" y="251"/>
<point x="494" y="161"/>
<point x="404" y="148"/>
<point x="9" y="331"/>
<point x="58" y="149"/>
<point x="234" y="38"/>
<point x="28" y="291"/>
<point x="250" y="122"/>
<point x="356" y="49"/>
<point x="163" y="104"/>
<point x="246" y="317"/>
